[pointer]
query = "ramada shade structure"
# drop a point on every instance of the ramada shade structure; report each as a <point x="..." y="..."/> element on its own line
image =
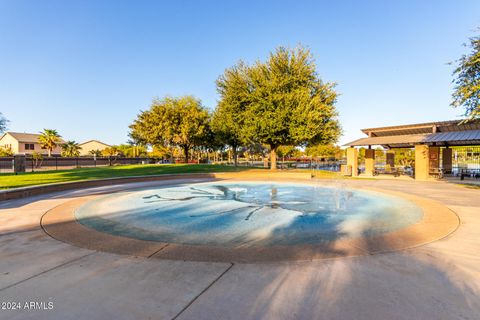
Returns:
<point x="444" y="133"/>
<point x="426" y="138"/>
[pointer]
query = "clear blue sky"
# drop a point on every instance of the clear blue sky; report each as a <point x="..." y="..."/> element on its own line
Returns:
<point x="86" y="68"/>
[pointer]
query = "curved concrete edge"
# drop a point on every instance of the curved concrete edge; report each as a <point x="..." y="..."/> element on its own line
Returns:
<point x="18" y="193"/>
<point x="60" y="224"/>
<point x="438" y="222"/>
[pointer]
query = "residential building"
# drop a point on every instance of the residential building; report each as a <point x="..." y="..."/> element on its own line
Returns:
<point x="26" y="143"/>
<point x="90" y="145"/>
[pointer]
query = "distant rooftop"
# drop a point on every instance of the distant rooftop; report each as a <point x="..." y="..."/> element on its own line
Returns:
<point x="427" y="127"/>
<point x="27" y="137"/>
<point x="93" y="140"/>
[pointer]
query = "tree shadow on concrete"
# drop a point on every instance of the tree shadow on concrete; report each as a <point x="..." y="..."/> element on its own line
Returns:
<point x="410" y="284"/>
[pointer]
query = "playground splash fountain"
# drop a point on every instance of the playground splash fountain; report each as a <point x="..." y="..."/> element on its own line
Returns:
<point x="239" y="214"/>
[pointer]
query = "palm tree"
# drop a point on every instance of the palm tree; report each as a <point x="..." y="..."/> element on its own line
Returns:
<point x="70" y="149"/>
<point x="96" y="153"/>
<point x="49" y="139"/>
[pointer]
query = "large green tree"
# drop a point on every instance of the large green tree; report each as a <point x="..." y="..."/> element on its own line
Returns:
<point x="49" y="139"/>
<point x="288" y="104"/>
<point x="173" y="121"/>
<point x="228" y="118"/>
<point x="467" y="81"/>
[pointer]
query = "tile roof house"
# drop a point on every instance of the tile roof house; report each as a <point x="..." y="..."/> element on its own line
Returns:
<point x="25" y="143"/>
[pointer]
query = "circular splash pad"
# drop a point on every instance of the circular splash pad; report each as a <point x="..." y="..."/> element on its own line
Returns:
<point x="247" y="214"/>
<point x="245" y="219"/>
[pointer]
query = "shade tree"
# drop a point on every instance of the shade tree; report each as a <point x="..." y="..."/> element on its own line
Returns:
<point x="279" y="102"/>
<point x="173" y="121"/>
<point x="467" y="80"/>
<point x="228" y="117"/>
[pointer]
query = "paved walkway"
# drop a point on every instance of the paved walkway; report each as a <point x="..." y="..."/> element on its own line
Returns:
<point x="440" y="280"/>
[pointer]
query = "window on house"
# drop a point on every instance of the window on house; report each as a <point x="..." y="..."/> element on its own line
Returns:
<point x="29" y="146"/>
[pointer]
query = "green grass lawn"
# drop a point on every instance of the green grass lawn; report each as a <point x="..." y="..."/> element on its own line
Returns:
<point x="8" y="181"/>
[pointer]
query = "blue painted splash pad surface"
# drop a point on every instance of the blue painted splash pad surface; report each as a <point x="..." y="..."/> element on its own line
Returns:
<point x="247" y="214"/>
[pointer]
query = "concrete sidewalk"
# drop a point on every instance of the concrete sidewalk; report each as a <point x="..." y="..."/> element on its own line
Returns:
<point x="440" y="280"/>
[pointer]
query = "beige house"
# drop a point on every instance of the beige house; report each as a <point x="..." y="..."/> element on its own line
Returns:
<point x="25" y="143"/>
<point x="90" y="145"/>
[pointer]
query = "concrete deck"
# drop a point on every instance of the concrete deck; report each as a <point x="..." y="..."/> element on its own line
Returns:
<point x="439" y="280"/>
<point x="437" y="222"/>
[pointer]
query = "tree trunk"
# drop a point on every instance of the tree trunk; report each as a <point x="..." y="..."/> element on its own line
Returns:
<point x="235" y="156"/>
<point x="185" y="150"/>
<point x="49" y="153"/>
<point x="273" y="158"/>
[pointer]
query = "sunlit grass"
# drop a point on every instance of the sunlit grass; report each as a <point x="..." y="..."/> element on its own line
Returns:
<point x="8" y="181"/>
